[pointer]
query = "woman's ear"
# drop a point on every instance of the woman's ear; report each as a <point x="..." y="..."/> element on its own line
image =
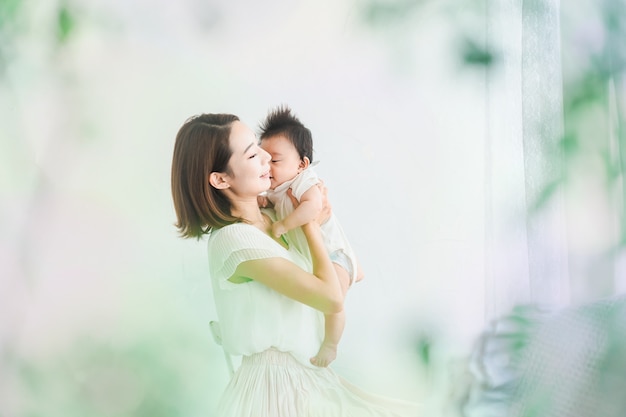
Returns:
<point x="218" y="180"/>
<point x="304" y="164"/>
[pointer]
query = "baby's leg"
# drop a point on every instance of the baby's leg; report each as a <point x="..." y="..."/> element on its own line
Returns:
<point x="344" y="278"/>
<point x="333" y="326"/>
<point x="359" y="273"/>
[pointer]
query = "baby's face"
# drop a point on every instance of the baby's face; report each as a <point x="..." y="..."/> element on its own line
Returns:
<point x="285" y="163"/>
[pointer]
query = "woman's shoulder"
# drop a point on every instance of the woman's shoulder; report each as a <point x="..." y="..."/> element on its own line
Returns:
<point x="238" y="236"/>
<point x="236" y="243"/>
<point x="230" y="229"/>
<point x="232" y="233"/>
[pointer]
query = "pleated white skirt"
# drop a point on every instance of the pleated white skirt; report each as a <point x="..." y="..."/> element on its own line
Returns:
<point x="275" y="384"/>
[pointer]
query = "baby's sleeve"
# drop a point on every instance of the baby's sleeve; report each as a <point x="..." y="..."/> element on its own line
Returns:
<point x="305" y="180"/>
<point x="233" y="245"/>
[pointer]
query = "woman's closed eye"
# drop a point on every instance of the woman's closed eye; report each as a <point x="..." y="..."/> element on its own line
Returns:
<point x="252" y="156"/>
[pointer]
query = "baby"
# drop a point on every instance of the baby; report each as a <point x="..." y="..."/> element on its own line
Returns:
<point x="290" y="145"/>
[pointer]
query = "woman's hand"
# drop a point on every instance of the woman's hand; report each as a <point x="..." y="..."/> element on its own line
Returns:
<point x="326" y="211"/>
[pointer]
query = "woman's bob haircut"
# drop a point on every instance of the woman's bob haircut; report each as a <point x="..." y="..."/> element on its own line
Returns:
<point x="202" y="146"/>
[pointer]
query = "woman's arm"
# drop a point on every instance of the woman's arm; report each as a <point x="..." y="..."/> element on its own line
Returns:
<point x="319" y="290"/>
<point x="307" y="210"/>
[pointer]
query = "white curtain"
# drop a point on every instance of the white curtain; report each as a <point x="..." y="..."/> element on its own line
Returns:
<point x="552" y="223"/>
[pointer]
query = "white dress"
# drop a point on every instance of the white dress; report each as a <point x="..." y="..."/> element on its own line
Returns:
<point x="276" y="336"/>
<point x="334" y="237"/>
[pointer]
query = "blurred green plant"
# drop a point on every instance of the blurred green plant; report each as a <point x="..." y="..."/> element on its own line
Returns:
<point x="593" y="93"/>
<point x="65" y="23"/>
<point x="593" y="109"/>
<point x="474" y="53"/>
<point x="14" y="15"/>
<point x="384" y="13"/>
<point x="9" y="27"/>
<point x="154" y="375"/>
<point x="592" y="143"/>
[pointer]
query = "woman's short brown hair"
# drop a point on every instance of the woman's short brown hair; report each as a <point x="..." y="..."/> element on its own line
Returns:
<point x="202" y="146"/>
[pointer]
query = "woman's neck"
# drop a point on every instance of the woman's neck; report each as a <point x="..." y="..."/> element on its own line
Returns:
<point x="249" y="211"/>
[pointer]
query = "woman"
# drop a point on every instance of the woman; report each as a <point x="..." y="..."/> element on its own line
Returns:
<point x="269" y="299"/>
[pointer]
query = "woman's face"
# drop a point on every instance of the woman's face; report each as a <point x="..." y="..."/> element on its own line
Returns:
<point x="285" y="163"/>
<point x="249" y="164"/>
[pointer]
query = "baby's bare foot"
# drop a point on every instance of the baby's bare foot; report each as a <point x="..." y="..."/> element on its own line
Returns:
<point x="325" y="356"/>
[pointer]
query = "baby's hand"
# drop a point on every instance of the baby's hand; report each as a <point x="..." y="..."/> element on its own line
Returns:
<point x="278" y="229"/>
<point x="263" y="201"/>
<point x="325" y="355"/>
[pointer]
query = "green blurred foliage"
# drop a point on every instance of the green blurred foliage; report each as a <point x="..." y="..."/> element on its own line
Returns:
<point x="586" y="96"/>
<point x="96" y="379"/>
<point x="8" y="12"/>
<point x="141" y="366"/>
<point x="593" y="101"/>
<point x="594" y="133"/>
<point x="137" y="364"/>
<point x="474" y="53"/>
<point x="424" y="347"/>
<point x="65" y="23"/>
<point x="384" y="13"/>
<point x="9" y="26"/>
<point x="547" y="192"/>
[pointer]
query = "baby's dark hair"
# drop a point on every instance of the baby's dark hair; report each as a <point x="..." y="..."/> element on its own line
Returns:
<point x="281" y="121"/>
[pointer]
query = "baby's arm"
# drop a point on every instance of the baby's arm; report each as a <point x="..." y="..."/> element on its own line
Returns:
<point x="264" y="202"/>
<point x="309" y="207"/>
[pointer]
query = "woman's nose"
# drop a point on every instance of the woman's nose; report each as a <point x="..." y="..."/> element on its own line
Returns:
<point x="266" y="155"/>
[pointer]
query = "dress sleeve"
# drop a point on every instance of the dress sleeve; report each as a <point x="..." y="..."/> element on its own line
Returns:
<point x="305" y="180"/>
<point x="236" y="243"/>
